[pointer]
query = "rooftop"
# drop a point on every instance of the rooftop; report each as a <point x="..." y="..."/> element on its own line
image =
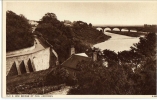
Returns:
<point x="73" y="60"/>
<point x="81" y="54"/>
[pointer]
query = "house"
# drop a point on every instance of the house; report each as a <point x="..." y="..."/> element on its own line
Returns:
<point x="71" y="63"/>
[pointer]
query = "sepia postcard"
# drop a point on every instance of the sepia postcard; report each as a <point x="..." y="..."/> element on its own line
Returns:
<point x="79" y="49"/>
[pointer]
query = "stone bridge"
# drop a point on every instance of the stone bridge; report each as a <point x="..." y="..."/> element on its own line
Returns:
<point x="120" y="27"/>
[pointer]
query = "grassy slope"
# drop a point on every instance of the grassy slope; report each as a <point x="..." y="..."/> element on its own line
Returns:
<point x="27" y="78"/>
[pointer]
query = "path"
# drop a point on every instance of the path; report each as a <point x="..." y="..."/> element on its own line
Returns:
<point x="63" y="91"/>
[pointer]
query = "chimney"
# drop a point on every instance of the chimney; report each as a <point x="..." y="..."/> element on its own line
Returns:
<point x="94" y="56"/>
<point x="72" y="50"/>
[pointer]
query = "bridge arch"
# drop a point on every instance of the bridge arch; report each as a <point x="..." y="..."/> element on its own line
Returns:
<point x="22" y="67"/>
<point x="107" y="29"/>
<point x="99" y="28"/>
<point x="13" y="70"/>
<point x="30" y="67"/>
<point x="116" y="29"/>
<point x="133" y="30"/>
<point x="124" y="30"/>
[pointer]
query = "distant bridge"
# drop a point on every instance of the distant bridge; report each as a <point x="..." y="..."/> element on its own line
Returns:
<point x="137" y="28"/>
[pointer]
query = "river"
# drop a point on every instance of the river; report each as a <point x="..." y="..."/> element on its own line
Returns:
<point x="117" y="42"/>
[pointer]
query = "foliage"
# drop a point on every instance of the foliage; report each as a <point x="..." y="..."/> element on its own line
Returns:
<point x="147" y="46"/>
<point x="18" y="32"/>
<point x="145" y="78"/>
<point x="94" y="78"/>
<point x="145" y="75"/>
<point x="48" y="17"/>
<point x="111" y="57"/>
<point x="80" y="35"/>
<point x="129" y="72"/>
<point x="59" y="76"/>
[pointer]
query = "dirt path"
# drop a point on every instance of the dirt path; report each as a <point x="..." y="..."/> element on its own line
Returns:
<point x="62" y="91"/>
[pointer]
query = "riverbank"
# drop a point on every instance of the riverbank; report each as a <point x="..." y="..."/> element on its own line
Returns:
<point x="131" y="34"/>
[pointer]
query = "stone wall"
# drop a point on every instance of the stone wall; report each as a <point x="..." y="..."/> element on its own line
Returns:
<point x="17" y="65"/>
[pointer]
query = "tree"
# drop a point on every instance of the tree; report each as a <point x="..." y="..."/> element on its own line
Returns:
<point x="90" y="25"/>
<point x="146" y="45"/>
<point x="18" y="32"/>
<point x="93" y="78"/>
<point x="48" y="17"/>
<point x="111" y="57"/>
<point x="145" y="75"/>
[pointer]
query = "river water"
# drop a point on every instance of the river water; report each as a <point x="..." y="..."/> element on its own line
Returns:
<point x="117" y="42"/>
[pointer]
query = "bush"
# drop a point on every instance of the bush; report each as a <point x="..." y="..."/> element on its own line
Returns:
<point x="60" y="76"/>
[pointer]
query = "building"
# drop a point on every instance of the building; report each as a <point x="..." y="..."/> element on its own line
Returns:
<point x="71" y="63"/>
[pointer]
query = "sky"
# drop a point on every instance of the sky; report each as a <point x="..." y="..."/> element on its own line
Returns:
<point x="97" y="13"/>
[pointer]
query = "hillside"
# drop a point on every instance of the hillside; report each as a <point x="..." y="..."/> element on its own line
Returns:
<point x="18" y="32"/>
<point x="62" y="37"/>
<point x="88" y="34"/>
